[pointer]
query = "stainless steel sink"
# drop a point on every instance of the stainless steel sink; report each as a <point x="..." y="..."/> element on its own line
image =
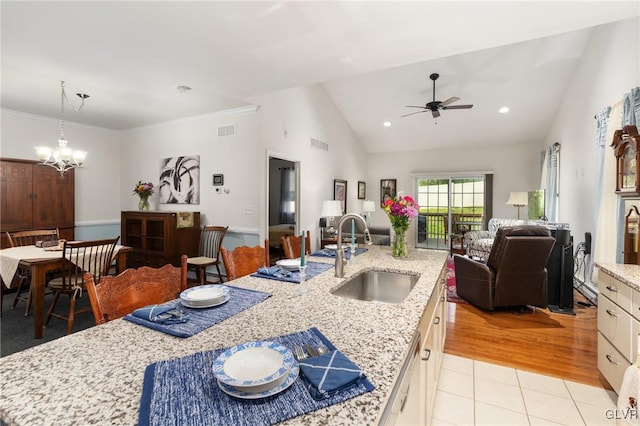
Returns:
<point x="378" y="286"/>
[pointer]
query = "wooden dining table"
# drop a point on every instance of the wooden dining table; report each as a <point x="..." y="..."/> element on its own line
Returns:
<point x="51" y="261"/>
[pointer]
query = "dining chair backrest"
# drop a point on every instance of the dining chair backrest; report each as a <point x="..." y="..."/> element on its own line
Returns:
<point x="29" y="238"/>
<point x="244" y="260"/>
<point x="94" y="257"/>
<point x="116" y="296"/>
<point x="292" y="245"/>
<point x="211" y="240"/>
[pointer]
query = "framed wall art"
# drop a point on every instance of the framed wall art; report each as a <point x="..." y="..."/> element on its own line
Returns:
<point x="362" y="190"/>
<point x="340" y="193"/>
<point x="180" y="180"/>
<point x="387" y="189"/>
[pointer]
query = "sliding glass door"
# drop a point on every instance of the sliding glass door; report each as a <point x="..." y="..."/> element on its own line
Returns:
<point x="451" y="206"/>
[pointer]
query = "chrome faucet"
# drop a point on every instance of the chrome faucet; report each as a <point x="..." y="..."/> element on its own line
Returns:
<point x="339" y="251"/>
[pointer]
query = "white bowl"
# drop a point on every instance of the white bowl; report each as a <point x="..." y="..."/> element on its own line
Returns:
<point x="289" y="264"/>
<point x="253" y="364"/>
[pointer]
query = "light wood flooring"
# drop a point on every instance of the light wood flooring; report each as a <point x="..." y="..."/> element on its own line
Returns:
<point x="543" y="342"/>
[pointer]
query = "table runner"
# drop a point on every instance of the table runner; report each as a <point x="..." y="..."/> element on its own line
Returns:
<point x="332" y="253"/>
<point x="313" y="269"/>
<point x="172" y="394"/>
<point x="240" y="299"/>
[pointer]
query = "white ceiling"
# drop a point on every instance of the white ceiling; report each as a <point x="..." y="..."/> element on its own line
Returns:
<point x="373" y="58"/>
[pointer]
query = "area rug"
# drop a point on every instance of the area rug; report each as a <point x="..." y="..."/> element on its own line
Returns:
<point x="452" y="295"/>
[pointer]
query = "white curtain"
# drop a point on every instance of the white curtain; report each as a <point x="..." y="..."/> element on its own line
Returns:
<point x="605" y="236"/>
<point x="549" y="181"/>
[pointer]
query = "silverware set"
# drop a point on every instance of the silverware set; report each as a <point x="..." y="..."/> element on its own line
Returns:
<point x="301" y="352"/>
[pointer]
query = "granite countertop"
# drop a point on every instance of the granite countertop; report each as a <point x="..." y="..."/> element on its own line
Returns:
<point x="628" y="274"/>
<point x="95" y="376"/>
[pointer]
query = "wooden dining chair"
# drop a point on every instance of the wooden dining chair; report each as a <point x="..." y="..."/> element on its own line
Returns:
<point x="244" y="260"/>
<point x="209" y="252"/>
<point x="115" y="297"/>
<point x="23" y="275"/>
<point x="94" y="257"/>
<point x="291" y="245"/>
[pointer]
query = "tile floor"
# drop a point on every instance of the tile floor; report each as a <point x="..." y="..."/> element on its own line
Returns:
<point x="478" y="393"/>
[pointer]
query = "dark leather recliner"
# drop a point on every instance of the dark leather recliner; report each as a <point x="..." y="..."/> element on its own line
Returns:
<point x="515" y="273"/>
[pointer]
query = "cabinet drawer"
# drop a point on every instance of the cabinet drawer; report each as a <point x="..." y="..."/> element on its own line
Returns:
<point x="615" y="290"/>
<point x="611" y="363"/>
<point x="615" y="324"/>
<point x="635" y="304"/>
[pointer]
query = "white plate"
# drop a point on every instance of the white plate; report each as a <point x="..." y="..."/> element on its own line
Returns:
<point x="204" y="293"/>
<point x="289" y="264"/>
<point x="335" y="246"/>
<point x="288" y="381"/>
<point x="225" y="299"/>
<point x="252" y="364"/>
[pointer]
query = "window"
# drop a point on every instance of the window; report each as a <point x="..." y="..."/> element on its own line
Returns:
<point x="451" y="205"/>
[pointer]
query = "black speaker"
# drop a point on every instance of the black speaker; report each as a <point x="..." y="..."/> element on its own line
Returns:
<point x="560" y="273"/>
<point x="587" y="243"/>
<point x="323" y="222"/>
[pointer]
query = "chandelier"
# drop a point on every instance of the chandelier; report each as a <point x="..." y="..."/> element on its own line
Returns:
<point x="63" y="158"/>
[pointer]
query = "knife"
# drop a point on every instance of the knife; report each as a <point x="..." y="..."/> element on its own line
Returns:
<point x="311" y="350"/>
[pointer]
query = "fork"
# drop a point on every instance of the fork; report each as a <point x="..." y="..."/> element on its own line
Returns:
<point x="299" y="353"/>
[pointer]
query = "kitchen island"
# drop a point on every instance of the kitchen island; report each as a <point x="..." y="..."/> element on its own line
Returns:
<point x="618" y="320"/>
<point x="95" y="376"/>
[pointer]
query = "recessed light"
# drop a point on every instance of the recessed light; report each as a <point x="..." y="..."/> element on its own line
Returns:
<point x="504" y="110"/>
<point x="386" y="124"/>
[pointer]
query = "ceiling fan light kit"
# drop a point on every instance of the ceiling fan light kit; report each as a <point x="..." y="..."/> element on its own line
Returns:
<point x="435" y="106"/>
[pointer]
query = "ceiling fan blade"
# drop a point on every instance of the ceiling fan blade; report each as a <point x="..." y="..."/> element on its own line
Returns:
<point x="414" y="106"/>
<point x="411" y="113"/>
<point x="458" y="107"/>
<point x="449" y="101"/>
<point x="435" y="113"/>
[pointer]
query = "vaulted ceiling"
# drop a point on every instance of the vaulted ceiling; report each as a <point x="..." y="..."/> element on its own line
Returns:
<point x="373" y="58"/>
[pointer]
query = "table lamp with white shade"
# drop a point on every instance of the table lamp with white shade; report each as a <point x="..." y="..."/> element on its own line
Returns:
<point x="368" y="207"/>
<point x="331" y="209"/>
<point x="518" y="199"/>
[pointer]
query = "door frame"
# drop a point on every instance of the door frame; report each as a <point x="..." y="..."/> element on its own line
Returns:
<point x="296" y="162"/>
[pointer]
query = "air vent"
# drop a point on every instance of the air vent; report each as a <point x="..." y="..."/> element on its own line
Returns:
<point x="229" y="130"/>
<point x="315" y="143"/>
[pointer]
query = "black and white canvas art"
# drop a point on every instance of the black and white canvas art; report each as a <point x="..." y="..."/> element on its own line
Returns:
<point x="180" y="180"/>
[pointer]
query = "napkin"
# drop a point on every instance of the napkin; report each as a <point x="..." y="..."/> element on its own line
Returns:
<point x="161" y="314"/>
<point x="329" y="373"/>
<point x="274" y="271"/>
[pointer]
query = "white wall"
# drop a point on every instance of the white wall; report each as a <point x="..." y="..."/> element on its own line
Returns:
<point x="97" y="184"/>
<point x="236" y="157"/>
<point x="609" y="69"/>
<point x="515" y="168"/>
<point x="288" y="120"/>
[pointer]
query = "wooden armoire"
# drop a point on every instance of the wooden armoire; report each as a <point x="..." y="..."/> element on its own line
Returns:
<point x="34" y="196"/>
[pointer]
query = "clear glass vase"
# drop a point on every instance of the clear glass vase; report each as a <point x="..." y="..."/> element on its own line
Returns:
<point x="144" y="203"/>
<point x="399" y="243"/>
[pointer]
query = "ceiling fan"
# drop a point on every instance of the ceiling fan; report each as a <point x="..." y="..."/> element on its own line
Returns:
<point x="434" y="106"/>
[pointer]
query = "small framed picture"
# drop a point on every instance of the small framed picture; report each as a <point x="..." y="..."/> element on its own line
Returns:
<point x="362" y="190"/>
<point x="340" y="193"/>
<point x="218" y="180"/>
<point x="387" y="189"/>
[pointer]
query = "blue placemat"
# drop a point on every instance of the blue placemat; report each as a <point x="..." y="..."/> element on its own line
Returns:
<point x="201" y="319"/>
<point x="184" y="391"/>
<point x="313" y="269"/>
<point x="332" y="253"/>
